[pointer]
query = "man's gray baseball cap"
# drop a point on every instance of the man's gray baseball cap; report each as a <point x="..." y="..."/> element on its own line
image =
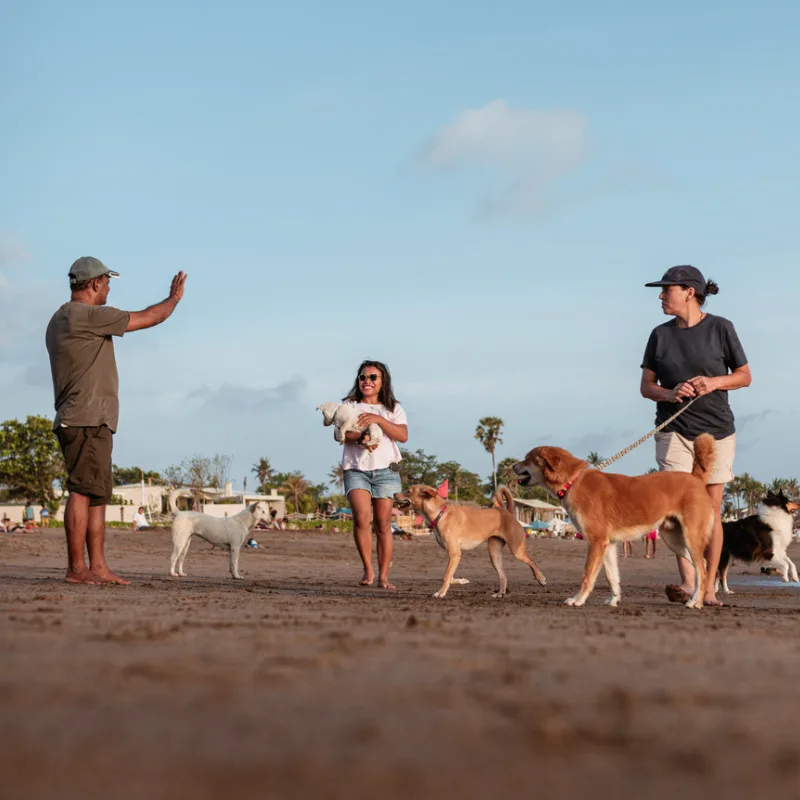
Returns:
<point x="87" y="267"/>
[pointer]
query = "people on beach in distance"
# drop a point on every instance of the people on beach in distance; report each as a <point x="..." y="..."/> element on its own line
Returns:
<point x="694" y="355"/>
<point x="86" y="388"/>
<point x="650" y="544"/>
<point x="44" y="517"/>
<point x="9" y="526"/>
<point x="627" y="548"/>
<point x="371" y="479"/>
<point x="29" y="516"/>
<point x="140" y="522"/>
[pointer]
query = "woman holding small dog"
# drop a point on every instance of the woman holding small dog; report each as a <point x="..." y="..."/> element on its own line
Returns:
<point x="694" y="355"/>
<point x="371" y="479"/>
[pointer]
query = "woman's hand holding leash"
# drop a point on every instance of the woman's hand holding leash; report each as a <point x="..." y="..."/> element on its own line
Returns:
<point x="682" y="391"/>
<point x="703" y="385"/>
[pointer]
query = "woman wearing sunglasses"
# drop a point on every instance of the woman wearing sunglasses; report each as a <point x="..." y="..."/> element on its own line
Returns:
<point x="370" y="476"/>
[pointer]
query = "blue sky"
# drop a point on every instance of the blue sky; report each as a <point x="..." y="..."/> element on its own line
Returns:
<point x="474" y="193"/>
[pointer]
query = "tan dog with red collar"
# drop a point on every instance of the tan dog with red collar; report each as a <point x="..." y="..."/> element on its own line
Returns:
<point x="611" y="508"/>
<point x="458" y="528"/>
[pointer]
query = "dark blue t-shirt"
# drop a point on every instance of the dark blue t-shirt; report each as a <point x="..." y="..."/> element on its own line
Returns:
<point x="712" y="349"/>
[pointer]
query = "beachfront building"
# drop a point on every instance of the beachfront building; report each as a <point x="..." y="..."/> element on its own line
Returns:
<point x="156" y="500"/>
<point x="529" y="511"/>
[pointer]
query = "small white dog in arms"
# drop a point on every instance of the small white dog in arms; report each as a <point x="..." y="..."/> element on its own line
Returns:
<point x="231" y="532"/>
<point x="345" y="419"/>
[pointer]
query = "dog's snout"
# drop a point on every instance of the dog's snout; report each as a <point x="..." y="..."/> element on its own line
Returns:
<point x="519" y="467"/>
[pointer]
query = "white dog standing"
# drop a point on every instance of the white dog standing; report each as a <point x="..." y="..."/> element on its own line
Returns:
<point x="345" y="418"/>
<point x="231" y="532"/>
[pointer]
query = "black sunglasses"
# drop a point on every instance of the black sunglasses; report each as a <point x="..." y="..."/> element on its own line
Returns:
<point x="373" y="376"/>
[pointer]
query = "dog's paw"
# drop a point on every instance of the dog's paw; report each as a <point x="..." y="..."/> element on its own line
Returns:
<point x="440" y="594"/>
<point x="460" y="581"/>
<point x="238" y="578"/>
<point x="542" y="581"/>
<point x="498" y="595"/>
<point x="728" y="591"/>
<point x="613" y="601"/>
<point x="574" y="601"/>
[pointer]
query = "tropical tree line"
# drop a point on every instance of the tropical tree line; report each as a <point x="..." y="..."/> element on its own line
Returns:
<point x="32" y="470"/>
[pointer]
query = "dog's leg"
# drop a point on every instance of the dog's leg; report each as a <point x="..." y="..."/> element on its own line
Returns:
<point x="793" y="569"/>
<point x="452" y="565"/>
<point x="594" y="560"/>
<point x="612" y="575"/>
<point x="177" y="547"/>
<point x="495" y="546"/>
<point x="182" y="557"/>
<point x="233" y="559"/>
<point x="521" y="555"/>
<point x="722" y="574"/>
<point x="696" y="546"/>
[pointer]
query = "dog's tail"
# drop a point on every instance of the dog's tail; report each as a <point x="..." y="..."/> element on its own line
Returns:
<point x="504" y="499"/>
<point x="704" y="456"/>
<point x="173" y="500"/>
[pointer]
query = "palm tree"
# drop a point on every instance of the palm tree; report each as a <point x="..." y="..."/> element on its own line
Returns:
<point x="262" y="470"/>
<point x="594" y="459"/>
<point x="733" y="490"/>
<point x="296" y="484"/>
<point x="488" y="434"/>
<point x="787" y="485"/>
<point x="336" y="476"/>
<point x="751" y="489"/>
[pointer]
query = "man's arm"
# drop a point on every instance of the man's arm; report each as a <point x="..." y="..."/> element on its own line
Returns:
<point x="156" y="314"/>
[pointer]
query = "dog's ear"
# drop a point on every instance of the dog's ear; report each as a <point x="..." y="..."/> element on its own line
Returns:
<point x="550" y="458"/>
<point x="427" y="491"/>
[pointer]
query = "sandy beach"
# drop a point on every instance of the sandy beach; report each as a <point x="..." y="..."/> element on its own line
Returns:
<point x="297" y="683"/>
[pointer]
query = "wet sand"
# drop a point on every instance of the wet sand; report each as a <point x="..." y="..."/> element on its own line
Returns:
<point x="297" y="683"/>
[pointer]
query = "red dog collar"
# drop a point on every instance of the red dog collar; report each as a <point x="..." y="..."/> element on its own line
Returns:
<point x="568" y="485"/>
<point x="439" y="516"/>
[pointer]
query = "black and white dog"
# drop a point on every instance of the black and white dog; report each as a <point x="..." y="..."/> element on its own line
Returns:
<point x="764" y="536"/>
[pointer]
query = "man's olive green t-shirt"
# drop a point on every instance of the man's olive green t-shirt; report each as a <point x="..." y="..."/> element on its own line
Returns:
<point x="85" y="379"/>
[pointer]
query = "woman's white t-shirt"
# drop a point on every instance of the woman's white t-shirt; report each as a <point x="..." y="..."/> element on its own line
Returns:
<point x="387" y="452"/>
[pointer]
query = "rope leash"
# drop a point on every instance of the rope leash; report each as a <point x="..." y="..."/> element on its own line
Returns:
<point x="609" y="461"/>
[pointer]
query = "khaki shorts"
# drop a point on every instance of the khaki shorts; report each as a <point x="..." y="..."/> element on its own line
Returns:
<point x="675" y="453"/>
<point x="87" y="454"/>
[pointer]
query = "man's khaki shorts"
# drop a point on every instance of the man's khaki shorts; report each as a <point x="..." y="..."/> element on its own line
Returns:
<point x="87" y="454"/>
<point x="674" y="453"/>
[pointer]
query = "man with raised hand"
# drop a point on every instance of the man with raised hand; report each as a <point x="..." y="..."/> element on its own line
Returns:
<point x="86" y="389"/>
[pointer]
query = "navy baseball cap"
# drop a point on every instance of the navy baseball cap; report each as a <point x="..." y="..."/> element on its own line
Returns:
<point x="684" y="275"/>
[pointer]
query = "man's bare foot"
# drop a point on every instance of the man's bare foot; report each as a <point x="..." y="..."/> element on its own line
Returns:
<point x="107" y="576"/>
<point x="383" y="583"/>
<point x="85" y="576"/>
<point x="367" y="579"/>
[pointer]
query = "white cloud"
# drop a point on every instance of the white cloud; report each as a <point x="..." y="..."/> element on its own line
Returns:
<point x="12" y="253"/>
<point x="245" y="399"/>
<point x="530" y="149"/>
<point x="25" y="307"/>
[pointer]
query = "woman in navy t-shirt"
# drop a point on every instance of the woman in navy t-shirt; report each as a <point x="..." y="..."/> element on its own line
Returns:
<point x="694" y="355"/>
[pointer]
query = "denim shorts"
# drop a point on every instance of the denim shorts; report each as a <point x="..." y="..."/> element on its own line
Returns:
<point x="380" y="483"/>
